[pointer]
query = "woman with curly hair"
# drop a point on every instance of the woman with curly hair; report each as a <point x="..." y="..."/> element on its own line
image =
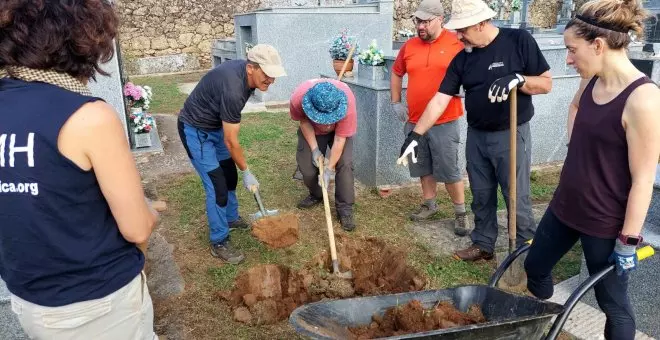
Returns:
<point x="607" y="180"/>
<point x="74" y="222"/>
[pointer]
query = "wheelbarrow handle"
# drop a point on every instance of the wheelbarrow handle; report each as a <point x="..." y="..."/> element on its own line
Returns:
<point x="575" y="297"/>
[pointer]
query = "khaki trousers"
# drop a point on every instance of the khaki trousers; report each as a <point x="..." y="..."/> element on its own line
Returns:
<point x="126" y="314"/>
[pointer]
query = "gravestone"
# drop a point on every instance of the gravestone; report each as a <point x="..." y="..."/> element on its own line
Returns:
<point x="110" y="88"/>
<point x="648" y="60"/>
<point x="565" y="14"/>
<point x="303" y="35"/>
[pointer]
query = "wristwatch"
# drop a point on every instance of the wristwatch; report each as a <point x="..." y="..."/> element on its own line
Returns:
<point x="630" y="240"/>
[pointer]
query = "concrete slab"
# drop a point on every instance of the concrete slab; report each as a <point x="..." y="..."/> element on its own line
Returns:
<point x="11" y="328"/>
<point x="643" y="293"/>
<point x="585" y="321"/>
<point x="440" y="238"/>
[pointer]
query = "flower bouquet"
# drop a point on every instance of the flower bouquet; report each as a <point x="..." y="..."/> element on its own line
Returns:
<point x="372" y="61"/>
<point x="372" y="56"/>
<point x="139" y="97"/>
<point x="141" y="124"/>
<point x="339" y="49"/>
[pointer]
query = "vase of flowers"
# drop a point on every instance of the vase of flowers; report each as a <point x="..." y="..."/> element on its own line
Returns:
<point x="139" y="97"/>
<point x="141" y="125"/>
<point x="402" y="36"/>
<point x="372" y="62"/>
<point x="339" y="49"/>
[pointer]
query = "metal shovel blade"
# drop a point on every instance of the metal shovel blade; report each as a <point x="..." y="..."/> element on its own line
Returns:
<point x="259" y="215"/>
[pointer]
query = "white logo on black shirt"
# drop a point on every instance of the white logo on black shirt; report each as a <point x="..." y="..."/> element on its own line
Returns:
<point x="11" y="151"/>
<point x="496" y="64"/>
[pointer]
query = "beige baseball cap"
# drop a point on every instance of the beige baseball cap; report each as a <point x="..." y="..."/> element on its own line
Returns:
<point x="268" y="59"/>
<point x="429" y="9"/>
<point x="465" y="13"/>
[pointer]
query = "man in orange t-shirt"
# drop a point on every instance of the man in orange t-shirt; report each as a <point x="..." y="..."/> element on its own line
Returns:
<point x="425" y="59"/>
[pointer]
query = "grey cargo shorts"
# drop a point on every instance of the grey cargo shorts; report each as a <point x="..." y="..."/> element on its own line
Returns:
<point x="437" y="153"/>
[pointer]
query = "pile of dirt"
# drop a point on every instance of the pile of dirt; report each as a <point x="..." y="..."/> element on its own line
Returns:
<point x="277" y="231"/>
<point x="413" y="318"/>
<point x="266" y="294"/>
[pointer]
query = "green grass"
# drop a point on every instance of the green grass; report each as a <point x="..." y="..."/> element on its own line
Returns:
<point x="166" y="95"/>
<point x="223" y="276"/>
<point x="569" y="265"/>
<point x="269" y="141"/>
<point x="447" y="272"/>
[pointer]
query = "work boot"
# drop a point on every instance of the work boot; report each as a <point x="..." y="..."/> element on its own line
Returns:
<point x="347" y="222"/>
<point x="472" y="253"/>
<point x="309" y="202"/>
<point x="226" y="252"/>
<point x="424" y="212"/>
<point x="461" y="224"/>
<point x="239" y="224"/>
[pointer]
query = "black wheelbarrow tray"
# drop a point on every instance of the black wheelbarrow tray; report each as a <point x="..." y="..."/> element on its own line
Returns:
<point x="509" y="316"/>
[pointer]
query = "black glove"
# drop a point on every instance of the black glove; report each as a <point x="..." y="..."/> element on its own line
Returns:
<point x="409" y="147"/>
<point x="501" y="87"/>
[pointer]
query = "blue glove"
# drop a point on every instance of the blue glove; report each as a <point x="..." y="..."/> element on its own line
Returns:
<point x="501" y="87"/>
<point x="624" y="257"/>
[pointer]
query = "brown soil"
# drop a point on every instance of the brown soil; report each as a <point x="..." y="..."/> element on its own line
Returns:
<point x="266" y="294"/>
<point x="413" y="318"/>
<point x="277" y="231"/>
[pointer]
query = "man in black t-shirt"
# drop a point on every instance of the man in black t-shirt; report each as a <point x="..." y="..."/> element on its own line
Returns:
<point x="208" y="126"/>
<point x="494" y="61"/>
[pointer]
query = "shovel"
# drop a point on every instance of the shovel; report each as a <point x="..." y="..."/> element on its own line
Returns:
<point x="514" y="277"/>
<point x="331" y="233"/>
<point x="262" y="211"/>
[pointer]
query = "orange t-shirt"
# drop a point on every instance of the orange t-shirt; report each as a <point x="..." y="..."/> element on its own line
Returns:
<point x="426" y="64"/>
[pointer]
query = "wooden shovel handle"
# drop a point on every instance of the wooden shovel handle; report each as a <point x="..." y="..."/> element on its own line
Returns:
<point x="348" y="59"/>
<point x="328" y="216"/>
<point x="513" y="138"/>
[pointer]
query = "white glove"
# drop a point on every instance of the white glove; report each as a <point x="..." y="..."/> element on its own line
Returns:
<point x="400" y="110"/>
<point x="501" y="87"/>
<point x="249" y="181"/>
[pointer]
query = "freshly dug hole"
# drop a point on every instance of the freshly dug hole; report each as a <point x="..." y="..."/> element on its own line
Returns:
<point x="266" y="294"/>
<point x="413" y="318"/>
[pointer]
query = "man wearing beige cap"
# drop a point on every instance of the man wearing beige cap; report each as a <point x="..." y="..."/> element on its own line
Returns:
<point x="208" y="126"/>
<point x="494" y="61"/>
<point x="425" y="59"/>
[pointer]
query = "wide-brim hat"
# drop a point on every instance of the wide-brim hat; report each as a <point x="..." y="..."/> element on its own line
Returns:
<point x="465" y="13"/>
<point x="325" y="104"/>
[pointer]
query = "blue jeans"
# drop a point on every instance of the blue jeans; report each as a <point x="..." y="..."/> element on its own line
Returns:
<point x="211" y="158"/>
<point x="554" y="239"/>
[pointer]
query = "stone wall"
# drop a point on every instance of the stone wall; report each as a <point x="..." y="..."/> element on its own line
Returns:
<point x="542" y="13"/>
<point x="151" y="28"/>
<point x="186" y="29"/>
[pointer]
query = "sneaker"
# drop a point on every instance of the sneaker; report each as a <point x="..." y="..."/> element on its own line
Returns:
<point x="461" y="224"/>
<point x="347" y="222"/>
<point x="239" y="224"/>
<point x="309" y="202"/>
<point x="226" y="252"/>
<point x="423" y="213"/>
<point x="472" y="253"/>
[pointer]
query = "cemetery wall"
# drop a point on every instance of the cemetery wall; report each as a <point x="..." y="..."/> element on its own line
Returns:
<point x="151" y="28"/>
<point x="156" y="28"/>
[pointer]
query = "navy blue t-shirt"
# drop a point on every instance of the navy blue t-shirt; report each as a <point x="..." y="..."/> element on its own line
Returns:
<point x="59" y="243"/>
<point x="512" y="51"/>
<point x="219" y="96"/>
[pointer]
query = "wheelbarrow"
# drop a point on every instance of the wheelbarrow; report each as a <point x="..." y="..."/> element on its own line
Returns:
<point x="509" y="316"/>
